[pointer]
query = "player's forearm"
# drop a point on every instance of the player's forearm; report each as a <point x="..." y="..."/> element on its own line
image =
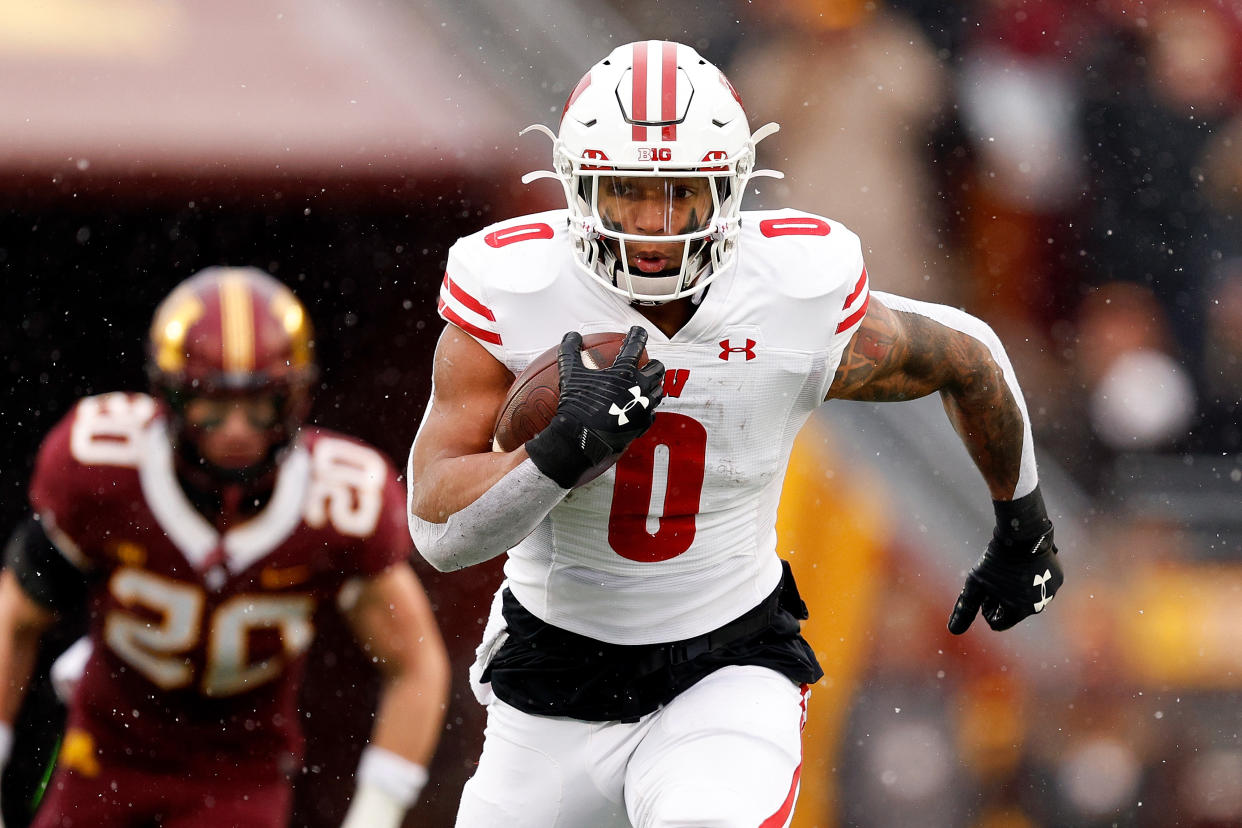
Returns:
<point x="496" y="521"/>
<point x="411" y="712"/>
<point x="19" y="646"/>
<point x="991" y="424"/>
<point x="393" y="768"/>
<point x="441" y="488"/>
<point x="17" y="657"/>
<point x="961" y="357"/>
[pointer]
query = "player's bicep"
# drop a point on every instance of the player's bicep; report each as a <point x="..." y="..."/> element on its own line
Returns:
<point x="468" y="387"/>
<point x="894" y="355"/>
<point x="451" y="462"/>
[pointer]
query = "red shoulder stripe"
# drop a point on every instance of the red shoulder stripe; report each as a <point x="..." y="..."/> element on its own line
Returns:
<point x="474" y="330"/>
<point x="858" y="288"/>
<point x="855" y="316"/>
<point x="468" y="300"/>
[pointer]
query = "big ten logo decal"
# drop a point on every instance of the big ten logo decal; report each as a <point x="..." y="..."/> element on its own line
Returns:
<point x="655" y="154"/>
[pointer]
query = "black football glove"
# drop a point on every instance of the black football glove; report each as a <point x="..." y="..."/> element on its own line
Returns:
<point x="1018" y="573"/>
<point x="600" y="412"/>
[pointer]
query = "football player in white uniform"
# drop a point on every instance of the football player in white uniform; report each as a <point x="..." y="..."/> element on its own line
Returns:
<point x="643" y="663"/>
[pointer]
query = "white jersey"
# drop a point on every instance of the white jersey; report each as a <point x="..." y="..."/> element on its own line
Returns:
<point x="680" y="536"/>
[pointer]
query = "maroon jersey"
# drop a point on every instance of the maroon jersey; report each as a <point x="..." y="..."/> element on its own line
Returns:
<point x="199" y="637"/>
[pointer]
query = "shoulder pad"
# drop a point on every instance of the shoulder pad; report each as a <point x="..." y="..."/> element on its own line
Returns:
<point x="807" y="255"/>
<point x="511" y="255"/>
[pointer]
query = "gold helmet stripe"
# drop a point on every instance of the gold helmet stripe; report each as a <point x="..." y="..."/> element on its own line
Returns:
<point x="288" y="310"/>
<point x="172" y="321"/>
<point x="236" y="323"/>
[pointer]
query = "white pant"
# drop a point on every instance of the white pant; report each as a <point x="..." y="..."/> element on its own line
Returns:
<point x="727" y="752"/>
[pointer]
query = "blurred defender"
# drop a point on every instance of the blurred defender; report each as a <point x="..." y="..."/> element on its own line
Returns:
<point x="201" y="527"/>
<point x="643" y="663"/>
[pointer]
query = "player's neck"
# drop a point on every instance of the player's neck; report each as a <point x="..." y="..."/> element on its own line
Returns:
<point x="669" y="317"/>
<point x="224" y="503"/>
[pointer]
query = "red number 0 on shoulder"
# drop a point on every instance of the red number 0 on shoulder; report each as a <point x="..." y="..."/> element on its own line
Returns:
<point x="794" y="226"/>
<point x="517" y="233"/>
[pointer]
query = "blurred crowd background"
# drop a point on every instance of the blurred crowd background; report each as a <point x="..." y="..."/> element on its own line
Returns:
<point x="1068" y="170"/>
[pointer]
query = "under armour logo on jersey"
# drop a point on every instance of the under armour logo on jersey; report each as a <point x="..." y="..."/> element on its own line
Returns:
<point x="727" y="349"/>
<point x="1041" y="581"/>
<point x="620" y="411"/>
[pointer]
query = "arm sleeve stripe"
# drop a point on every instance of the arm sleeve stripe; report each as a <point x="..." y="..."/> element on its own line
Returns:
<point x="474" y="330"/>
<point x="466" y="299"/>
<point x="855" y="316"/>
<point x="858" y="288"/>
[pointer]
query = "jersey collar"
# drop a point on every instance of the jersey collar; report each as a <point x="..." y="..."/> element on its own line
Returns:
<point x="192" y="534"/>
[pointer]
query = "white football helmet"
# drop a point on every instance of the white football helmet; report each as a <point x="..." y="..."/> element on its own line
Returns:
<point x="654" y="110"/>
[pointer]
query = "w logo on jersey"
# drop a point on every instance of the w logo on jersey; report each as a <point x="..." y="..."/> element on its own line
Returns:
<point x="657" y="92"/>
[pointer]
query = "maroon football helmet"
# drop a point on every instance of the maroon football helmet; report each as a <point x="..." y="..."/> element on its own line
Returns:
<point x="232" y="331"/>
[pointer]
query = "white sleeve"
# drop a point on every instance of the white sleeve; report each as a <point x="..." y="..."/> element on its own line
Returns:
<point x="959" y="320"/>
<point x="495" y="523"/>
<point x="500" y="519"/>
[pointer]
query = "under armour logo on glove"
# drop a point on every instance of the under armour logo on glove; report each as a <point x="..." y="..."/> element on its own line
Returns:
<point x="1018" y="574"/>
<point x="1041" y="581"/>
<point x="600" y="411"/>
<point x="620" y="412"/>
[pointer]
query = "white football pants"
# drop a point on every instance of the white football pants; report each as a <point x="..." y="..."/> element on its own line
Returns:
<point x="726" y="753"/>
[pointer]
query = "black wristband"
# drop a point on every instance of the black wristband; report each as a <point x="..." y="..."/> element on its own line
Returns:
<point x="1022" y="519"/>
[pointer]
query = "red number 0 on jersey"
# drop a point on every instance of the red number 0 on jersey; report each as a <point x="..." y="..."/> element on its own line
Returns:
<point x="677" y="446"/>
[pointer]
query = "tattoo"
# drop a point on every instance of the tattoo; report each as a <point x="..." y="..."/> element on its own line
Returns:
<point x="897" y="356"/>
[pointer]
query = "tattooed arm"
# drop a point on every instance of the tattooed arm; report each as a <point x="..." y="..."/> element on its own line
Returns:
<point x="904" y="350"/>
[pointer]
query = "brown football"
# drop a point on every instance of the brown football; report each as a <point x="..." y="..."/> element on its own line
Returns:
<point x="532" y="399"/>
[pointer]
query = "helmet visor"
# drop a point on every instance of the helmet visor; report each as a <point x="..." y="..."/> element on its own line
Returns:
<point x="655" y="205"/>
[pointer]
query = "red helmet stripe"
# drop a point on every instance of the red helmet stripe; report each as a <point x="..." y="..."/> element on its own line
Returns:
<point x="668" y="89"/>
<point x="638" y="93"/>
<point x="237" y="323"/>
<point x="578" y="90"/>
